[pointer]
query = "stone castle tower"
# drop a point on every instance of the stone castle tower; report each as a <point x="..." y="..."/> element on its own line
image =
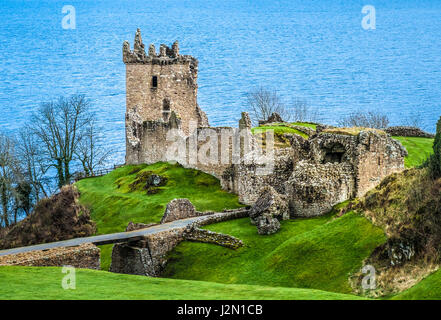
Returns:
<point x="158" y="84"/>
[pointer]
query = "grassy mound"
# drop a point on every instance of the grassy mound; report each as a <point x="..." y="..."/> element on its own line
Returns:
<point x="419" y="150"/>
<point x="279" y="130"/>
<point x="407" y="205"/>
<point x="314" y="253"/>
<point x="45" y="283"/>
<point x="428" y="289"/>
<point x="57" y="218"/>
<point x="123" y="196"/>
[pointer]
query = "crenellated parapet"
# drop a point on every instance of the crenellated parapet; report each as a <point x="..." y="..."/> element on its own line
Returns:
<point x="165" y="56"/>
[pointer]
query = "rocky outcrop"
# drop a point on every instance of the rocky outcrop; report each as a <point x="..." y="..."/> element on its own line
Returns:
<point x="85" y="256"/>
<point x="405" y="131"/>
<point x="179" y="209"/>
<point x="269" y="207"/>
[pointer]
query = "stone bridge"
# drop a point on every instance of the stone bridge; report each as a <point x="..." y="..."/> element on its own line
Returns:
<point x="141" y="251"/>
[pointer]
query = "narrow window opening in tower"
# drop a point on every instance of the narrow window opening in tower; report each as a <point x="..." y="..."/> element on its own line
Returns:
<point x="165" y="109"/>
<point x="155" y="81"/>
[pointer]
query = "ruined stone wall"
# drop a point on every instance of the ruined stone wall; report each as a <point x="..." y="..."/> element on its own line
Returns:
<point x="313" y="189"/>
<point x="209" y="149"/>
<point x="337" y="167"/>
<point x="84" y="256"/>
<point x="146" y="141"/>
<point x="247" y="180"/>
<point x="176" y="91"/>
<point x="377" y="157"/>
<point x="218" y="148"/>
<point x="145" y="257"/>
<point x="179" y="209"/>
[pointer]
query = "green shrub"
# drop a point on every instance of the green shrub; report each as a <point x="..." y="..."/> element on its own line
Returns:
<point x="434" y="162"/>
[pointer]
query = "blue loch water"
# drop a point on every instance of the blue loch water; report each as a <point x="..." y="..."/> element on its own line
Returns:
<point x="313" y="50"/>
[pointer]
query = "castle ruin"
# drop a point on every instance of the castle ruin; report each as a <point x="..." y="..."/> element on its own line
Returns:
<point x="311" y="175"/>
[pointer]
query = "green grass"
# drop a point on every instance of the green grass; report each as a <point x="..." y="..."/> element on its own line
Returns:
<point x="427" y="289"/>
<point x="317" y="253"/>
<point x="45" y="283"/>
<point x="279" y="130"/>
<point x="305" y="124"/>
<point x="113" y="205"/>
<point x="418" y="148"/>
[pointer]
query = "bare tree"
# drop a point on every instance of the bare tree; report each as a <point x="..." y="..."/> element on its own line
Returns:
<point x="60" y="126"/>
<point x="8" y="177"/>
<point x="90" y="151"/>
<point x="415" y="119"/>
<point x="302" y="112"/>
<point x="369" y="119"/>
<point x="264" y="102"/>
<point x="34" y="163"/>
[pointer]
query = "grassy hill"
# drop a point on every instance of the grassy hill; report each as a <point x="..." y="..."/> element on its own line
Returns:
<point x="310" y="253"/>
<point x="45" y="283"/>
<point x="120" y="197"/>
<point x="418" y="148"/>
<point x="315" y="253"/>
<point x="427" y="289"/>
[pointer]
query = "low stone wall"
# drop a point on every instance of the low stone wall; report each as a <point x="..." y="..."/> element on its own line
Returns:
<point x="215" y="217"/>
<point x="207" y="236"/>
<point x="85" y="256"/>
<point x="404" y="131"/>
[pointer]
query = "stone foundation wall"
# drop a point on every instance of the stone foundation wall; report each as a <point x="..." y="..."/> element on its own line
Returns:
<point x="179" y="209"/>
<point x="404" y="131"/>
<point x="85" y="256"/>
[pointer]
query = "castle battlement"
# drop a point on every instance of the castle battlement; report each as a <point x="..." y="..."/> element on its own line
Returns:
<point x="166" y="55"/>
